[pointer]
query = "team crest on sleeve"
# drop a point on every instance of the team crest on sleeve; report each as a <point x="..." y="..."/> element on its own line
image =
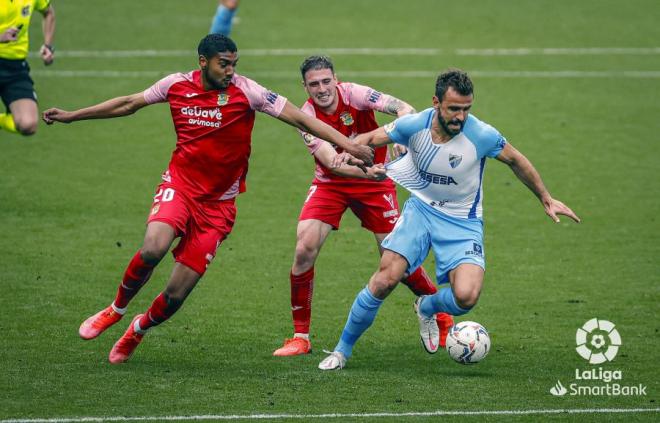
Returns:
<point x="223" y="99"/>
<point x="25" y="11"/>
<point x="389" y="127"/>
<point x="346" y="118"/>
<point x="455" y="160"/>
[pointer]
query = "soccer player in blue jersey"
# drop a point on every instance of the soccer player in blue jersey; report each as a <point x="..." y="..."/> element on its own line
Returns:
<point x="443" y="170"/>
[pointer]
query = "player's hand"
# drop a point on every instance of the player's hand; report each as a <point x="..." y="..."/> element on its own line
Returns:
<point x="347" y="158"/>
<point x="53" y="115"/>
<point x="47" y="54"/>
<point x="376" y="172"/>
<point x="362" y="152"/>
<point x="555" y="207"/>
<point x="361" y="139"/>
<point x="10" y="34"/>
<point x="399" y="150"/>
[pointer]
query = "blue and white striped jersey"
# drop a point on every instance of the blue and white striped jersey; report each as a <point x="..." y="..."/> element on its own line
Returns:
<point x="445" y="176"/>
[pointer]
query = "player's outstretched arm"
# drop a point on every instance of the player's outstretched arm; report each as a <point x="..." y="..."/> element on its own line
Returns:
<point x="529" y="176"/>
<point x="344" y="164"/>
<point x="295" y="117"/>
<point x="375" y="138"/>
<point x="116" y="107"/>
<point x="396" y="107"/>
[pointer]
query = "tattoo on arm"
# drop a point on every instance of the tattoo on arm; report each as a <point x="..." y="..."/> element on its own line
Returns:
<point x="393" y="106"/>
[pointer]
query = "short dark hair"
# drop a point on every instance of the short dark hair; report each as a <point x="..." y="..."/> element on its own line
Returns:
<point x="316" y="63"/>
<point x="213" y="44"/>
<point x="455" y="78"/>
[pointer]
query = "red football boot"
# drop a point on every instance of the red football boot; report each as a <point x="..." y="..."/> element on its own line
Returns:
<point x="95" y="325"/>
<point x="294" y="346"/>
<point x="124" y="348"/>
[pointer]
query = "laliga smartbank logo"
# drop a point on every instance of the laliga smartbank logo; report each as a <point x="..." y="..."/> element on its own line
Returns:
<point x="598" y="342"/>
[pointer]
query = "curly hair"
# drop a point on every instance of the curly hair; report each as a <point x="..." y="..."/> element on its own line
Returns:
<point x="455" y="78"/>
<point x="213" y="44"/>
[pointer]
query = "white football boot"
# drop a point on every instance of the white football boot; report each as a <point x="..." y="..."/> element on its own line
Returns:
<point x="336" y="360"/>
<point x="428" y="329"/>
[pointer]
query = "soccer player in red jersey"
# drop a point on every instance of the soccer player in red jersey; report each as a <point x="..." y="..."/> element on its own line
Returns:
<point x="349" y="108"/>
<point x="213" y="110"/>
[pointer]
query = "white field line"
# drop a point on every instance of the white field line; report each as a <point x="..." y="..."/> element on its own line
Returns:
<point x="362" y="74"/>
<point x="599" y="51"/>
<point x="338" y="415"/>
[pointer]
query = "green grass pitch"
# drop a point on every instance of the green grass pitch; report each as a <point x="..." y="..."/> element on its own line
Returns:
<point x="73" y="201"/>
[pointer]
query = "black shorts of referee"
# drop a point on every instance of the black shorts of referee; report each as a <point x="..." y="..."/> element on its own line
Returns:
<point x="15" y="81"/>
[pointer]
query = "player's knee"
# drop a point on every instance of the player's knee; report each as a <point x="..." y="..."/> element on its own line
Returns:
<point x="383" y="282"/>
<point x="466" y="297"/>
<point x="305" y="254"/>
<point x="152" y="253"/>
<point x="26" y="125"/>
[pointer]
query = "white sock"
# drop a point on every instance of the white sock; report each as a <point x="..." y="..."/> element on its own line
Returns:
<point x="137" y="328"/>
<point x="121" y="311"/>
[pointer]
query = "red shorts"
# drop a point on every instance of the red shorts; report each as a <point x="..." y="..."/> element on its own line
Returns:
<point x="376" y="206"/>
<point x="202" y="225"/>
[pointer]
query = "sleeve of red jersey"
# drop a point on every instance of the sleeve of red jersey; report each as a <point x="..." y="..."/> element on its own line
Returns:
<point x="366" y="98"/>
<point x="260" y="98"/>
<point x="310" y="140"/>
<point x="157" y="93"/>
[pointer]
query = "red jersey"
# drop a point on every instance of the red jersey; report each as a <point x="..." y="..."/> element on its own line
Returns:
<point x="354" y="115"/>
<point x="214" y="131"/>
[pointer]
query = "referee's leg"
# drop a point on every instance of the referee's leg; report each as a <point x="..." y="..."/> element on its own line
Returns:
<point x="25" y="114"/>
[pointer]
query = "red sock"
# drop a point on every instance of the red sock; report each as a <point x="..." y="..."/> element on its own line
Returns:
<point x="420" y="283"/>
<point x="160" y="310"/>
<point x="136" y="275"/>
<point x="302" y="287"/>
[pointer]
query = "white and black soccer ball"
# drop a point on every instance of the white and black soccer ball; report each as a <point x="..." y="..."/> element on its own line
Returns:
<point x="468" y="342"/>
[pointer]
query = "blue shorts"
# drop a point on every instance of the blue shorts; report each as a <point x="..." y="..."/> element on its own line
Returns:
<point x="454" y="240"/>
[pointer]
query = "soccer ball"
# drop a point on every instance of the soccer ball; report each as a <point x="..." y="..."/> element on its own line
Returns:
<point x="468" y="342"/>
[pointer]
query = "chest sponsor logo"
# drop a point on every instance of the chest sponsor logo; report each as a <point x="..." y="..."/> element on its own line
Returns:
<point x="223" y="99"/>
<point x="455" y="160"/>
<point x="437" y="179"/>
<point x="346" y="118"/>
<point x="203" y="117"/>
